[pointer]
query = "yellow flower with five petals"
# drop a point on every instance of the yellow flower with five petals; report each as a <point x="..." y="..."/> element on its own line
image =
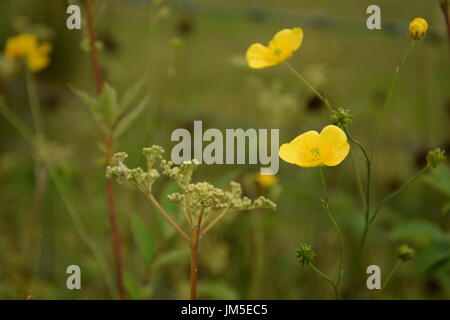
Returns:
<point x="313" y="149"/>
<point x="280" y="48"/>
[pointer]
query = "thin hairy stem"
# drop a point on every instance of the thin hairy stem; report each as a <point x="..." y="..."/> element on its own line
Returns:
<point x="367" y="197"/>
<point x="93" y="48"/>
<point x="335" y="225"/>
<point x="309" y="86"/>
<point x="444" y="8"/>
<point x="109" y="147"/>
<point x="40" y="189"/>
<point x="391" y="91"/>
<point x="213" y="223"/>
<point x="396" y="192"/>
<point x="17" y="123"/>
<point x="33" y="100"/>
<point x="195" y="241"/>
<point x="329" y="280"/>
<point x="396" y="265"/>
<point x="358" y="179"/>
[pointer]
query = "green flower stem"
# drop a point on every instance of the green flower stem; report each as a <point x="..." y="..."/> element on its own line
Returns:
<point x="309" y="86"/>
<point x="367" y="196"/>
<point x="16" y="122"/>
<point x="328" y="279"/>
<point x="396" y="265"/>
<point x="358" y="179"/>
<point x="392" y="88"/>
<point x="335" y="225"/>
<point x="33" y="99"/>
<point x="212" y="223"/>
<point x="168" y="217"/>
<point x="396" y="192"/>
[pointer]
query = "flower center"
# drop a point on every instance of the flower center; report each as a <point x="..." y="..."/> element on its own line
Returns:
<point x="278" y="51"/>
<point x="315" y="152"/>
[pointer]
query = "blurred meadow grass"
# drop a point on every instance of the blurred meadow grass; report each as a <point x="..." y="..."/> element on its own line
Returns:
<point x="252" y="255"/>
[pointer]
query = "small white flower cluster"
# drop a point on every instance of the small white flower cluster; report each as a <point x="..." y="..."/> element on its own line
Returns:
<point x="196" y="199"/>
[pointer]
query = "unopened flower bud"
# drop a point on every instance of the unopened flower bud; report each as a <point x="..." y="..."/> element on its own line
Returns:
<point x="405" y="253"/>
<point x="435" y="158"/>
<point x="341" y="117"/>
<point x="418" y="28"/>
<point x="305" y="254"/>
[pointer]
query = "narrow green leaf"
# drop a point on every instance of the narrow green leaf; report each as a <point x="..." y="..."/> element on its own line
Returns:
<point x="109" y="106"/>
<point x="129" y="118"/>
<point x="91" y="103"/>
<point x="172" y="257"/>
<point x="218" y="290"/>
<point x="132" y="286"/>
<point x="131" y="94"/>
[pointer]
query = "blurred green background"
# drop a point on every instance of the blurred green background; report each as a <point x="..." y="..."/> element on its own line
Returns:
<point x="192" y="55"/>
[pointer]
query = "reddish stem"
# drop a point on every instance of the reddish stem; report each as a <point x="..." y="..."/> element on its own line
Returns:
<point x="112" y="220"/>
<point x="108" y="154"/>
<point x="444" y="7"/>
<point x="92" y="40"/>
<point x="195" y="240"/>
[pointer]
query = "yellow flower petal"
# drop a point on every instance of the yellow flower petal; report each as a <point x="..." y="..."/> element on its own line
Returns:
<point x="20" y="46"/>
<point x="286" y="41"/>
<point x="259" y="56"/>
<point x="37" y="61"/>
<point x="302" y="150"/>
<point x="334" y="140"/>
<point x="280" y="48"/>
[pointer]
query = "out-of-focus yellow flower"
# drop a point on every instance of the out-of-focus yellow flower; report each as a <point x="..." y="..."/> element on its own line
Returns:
<point x="418" y="28"/>
<point x="311" y="149"/>
<point x="266" y="181"/>
<point x="27" y="46"/>
<point x="280" y="48"/>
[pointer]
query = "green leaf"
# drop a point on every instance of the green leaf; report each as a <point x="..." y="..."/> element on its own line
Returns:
<point x="132" y="286"/>
<point x="109" y="106"/>
<point x="419" y="231"/>
<point x="436" y="257"/>
<point x="143" y="238"/>
<point x="131" y="94"/>
<point x="172" y="257"/>
<point x="91" y="103"/>
<point x="218" y="290"/>
<point x="129" y="118"/>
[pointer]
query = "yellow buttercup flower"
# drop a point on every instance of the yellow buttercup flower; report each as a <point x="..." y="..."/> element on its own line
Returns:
<point x="266" y="181"/>
<point x="280" y="48"/>
<point x="311" y="149"/>
<point x="27" y="46"/>
<point x="417" y="28"/>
